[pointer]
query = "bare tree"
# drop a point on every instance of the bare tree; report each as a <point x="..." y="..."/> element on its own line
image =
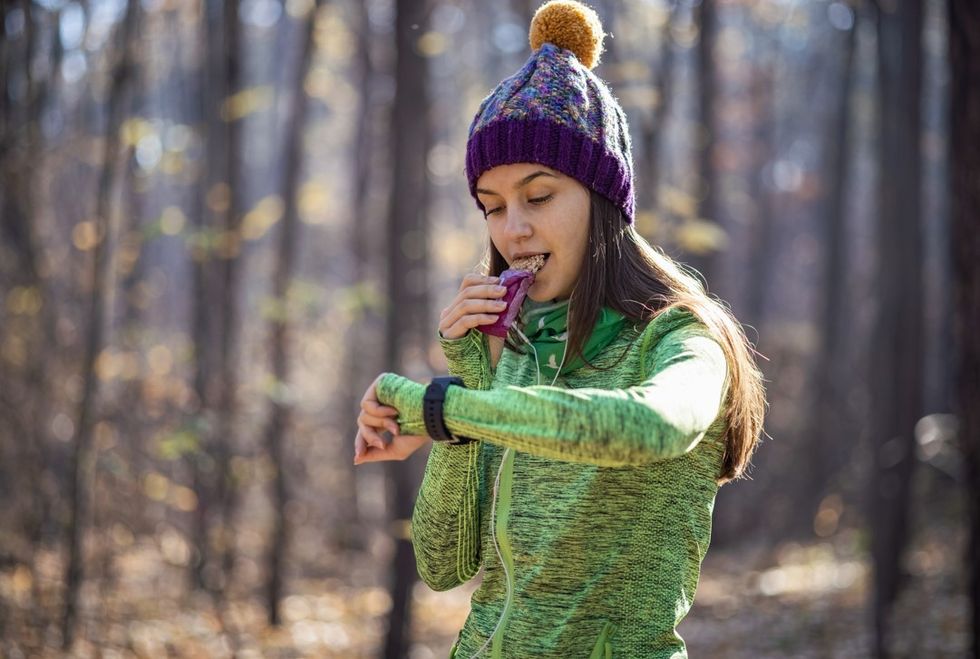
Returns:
<point x="407" y="270"/>
<point x="707" y="19"/>
<point x="365" y="321"/>
<point x="230" y="280"/>
<point x="25" y="393"/>
<point x="763" y="134"/>
<point x="896" y="377"/>
<point x="827" y="415"/>
<point x="964" y="54"/>
<point x="206" y="112"/>
<point x="651" y="126"/>
<point x="280" y="402"/>
<point x="81" y="467"/>
<point x="216" y="277"/>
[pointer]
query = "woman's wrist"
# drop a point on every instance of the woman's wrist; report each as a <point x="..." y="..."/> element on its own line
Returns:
<point x="443" y="337"/>
<point x="406" y="396"/>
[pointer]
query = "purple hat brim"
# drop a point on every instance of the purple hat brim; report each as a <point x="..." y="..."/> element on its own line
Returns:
<point x="509" y="141"/>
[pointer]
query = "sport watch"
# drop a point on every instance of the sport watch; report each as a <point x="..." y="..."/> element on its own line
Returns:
<point x="435" y="425"/>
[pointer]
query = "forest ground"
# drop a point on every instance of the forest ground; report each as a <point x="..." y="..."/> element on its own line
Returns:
<point x="795" y="599"/>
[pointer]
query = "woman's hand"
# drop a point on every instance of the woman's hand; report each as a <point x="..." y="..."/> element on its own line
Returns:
<point x="369" y="445"/>
<point x="477" y="303"/>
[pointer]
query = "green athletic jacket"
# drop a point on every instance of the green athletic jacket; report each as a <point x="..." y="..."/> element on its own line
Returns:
<point x="602" y="513"/>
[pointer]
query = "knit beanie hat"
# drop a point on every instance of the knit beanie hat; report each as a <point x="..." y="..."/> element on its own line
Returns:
<point x="555" y="112"/>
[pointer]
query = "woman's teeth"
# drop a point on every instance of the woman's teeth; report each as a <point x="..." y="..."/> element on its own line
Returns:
<point x="531" y="263"/>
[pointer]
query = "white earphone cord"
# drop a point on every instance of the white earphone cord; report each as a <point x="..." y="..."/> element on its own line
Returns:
<point x="496" y="485"/>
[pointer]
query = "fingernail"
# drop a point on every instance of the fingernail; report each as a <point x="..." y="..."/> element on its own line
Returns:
<point x="500" y="289"/>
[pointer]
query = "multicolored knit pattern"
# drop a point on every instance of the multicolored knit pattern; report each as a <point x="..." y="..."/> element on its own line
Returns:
<point x="554" y="111"/>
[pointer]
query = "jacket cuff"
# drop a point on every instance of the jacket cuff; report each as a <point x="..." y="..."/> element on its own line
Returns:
<point x="468" y="357"/>
<point x="406" y="396"/>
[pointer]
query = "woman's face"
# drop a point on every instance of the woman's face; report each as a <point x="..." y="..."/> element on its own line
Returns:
<point x="533" y="209"/>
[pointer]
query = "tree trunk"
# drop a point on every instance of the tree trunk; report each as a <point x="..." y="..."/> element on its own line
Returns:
<point x="230" y="266"/>
<point x="897" y="346"/>
<point x="828" y="422"/>
<point x="205" y="329"/>
<point x="21" y="265"/>
<point x="653" y="128"/>
<point x="124" y="411"/>
<point x="281" y="402"/>
<point x="365" y="321"/>
<point x="707" y="19"/>
<point x="964" y="55"/>
<point x="764" y="140"/>
<point x="407" y="261"/>
<point x="80" y="466"/>
<point x="652" y="122"/>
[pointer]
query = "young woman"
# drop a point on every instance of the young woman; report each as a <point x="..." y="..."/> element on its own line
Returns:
<point x="594" y="438"/>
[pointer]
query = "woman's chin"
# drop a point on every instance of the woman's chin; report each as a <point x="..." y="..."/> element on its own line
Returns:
<point x="541" y="292"/>
<point x="538" y="293"/>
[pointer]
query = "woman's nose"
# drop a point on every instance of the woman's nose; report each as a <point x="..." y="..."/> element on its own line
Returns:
<point x="517" y="226"/>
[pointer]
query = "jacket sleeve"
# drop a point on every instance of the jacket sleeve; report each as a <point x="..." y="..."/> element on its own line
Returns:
<point x="468" y="357"/>
<point x="666" y="415"/>
<point x="446" y="518"/>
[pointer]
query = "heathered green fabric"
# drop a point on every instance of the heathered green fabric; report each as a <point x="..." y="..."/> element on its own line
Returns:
<point x="610" y="485"/>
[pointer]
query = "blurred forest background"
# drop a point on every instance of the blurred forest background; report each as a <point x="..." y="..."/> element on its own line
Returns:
<point x="219" y="221"/>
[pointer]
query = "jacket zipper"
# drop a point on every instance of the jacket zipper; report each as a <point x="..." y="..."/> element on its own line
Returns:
<point x="603" y="646"/>
<point x="503" y="542"/>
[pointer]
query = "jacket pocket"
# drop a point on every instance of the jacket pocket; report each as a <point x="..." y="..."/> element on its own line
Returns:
<point x="603" y="644"/>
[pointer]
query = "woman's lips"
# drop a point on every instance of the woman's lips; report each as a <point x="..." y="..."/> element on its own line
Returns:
<point x="531" y="263"/>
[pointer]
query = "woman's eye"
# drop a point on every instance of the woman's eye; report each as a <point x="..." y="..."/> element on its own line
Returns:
<point x="539" y="200"/>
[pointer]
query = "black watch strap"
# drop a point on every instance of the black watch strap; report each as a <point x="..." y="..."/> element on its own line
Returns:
<point x="435" y="396"/>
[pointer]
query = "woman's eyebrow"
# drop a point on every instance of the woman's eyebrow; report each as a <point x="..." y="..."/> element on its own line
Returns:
<point x="520" y="184"/>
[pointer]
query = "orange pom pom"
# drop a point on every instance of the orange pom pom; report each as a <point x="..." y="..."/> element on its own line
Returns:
<point x="570" y="25"/>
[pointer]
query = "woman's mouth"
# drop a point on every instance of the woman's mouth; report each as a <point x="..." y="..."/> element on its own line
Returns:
<point x="533" y="263"/>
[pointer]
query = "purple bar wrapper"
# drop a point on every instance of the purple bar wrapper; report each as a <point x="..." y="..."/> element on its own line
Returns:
<point x="517" y="283"/>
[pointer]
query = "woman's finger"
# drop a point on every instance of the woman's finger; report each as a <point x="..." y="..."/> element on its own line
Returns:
<point x="390" y="451"/>
<point x="477" y="293"/>
<point x="481" y="305"/>
<point x="368" y="393"/>
<point x="472" y="307"/>
<point x="468" y="322"/>
<point x="474" y="278"/>
<point x="378" y="422"/>
<point x="373" y="421"/>
<point x="375" y="408"/>
<point x="372" y="390"/>
<point x="360" y="446"/>
<point x="483" y="291"/>
<point x="373" y="455"/>
<point x="371" y="436"/>
<point x="400" y="448"/>
<point x="483" y="299"/>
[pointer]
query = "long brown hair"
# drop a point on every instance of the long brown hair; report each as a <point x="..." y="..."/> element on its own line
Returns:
<point x="623" y="271"/>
